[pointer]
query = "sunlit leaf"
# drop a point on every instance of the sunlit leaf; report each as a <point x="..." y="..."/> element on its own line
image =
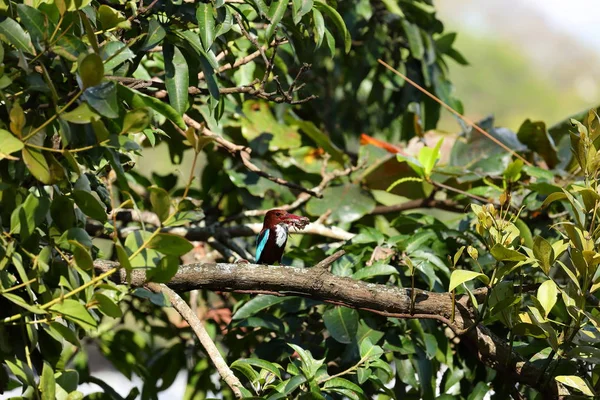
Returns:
<point x="460" y="276"/>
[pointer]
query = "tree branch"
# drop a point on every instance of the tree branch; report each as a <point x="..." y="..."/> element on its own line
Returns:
<point x="192" y="319"/>
<point x="317" y="283"/>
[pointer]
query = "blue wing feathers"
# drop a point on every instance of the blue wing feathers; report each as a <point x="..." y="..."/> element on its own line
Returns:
<point x="261" y="242"/>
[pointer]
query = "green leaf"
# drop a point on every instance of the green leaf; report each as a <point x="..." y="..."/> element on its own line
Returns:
<point x="8" y="143"/>
<point x="535" y="136"/>
<point x="37" y="165"/>
<point x="330" y="42"/>
<point x="24" y="304"/>
<point x="47" y="383"/>
<point x="114" y="54"/>
<point x="261" y="7"/>
<point x="512" y="173"/>
<point x="176" y="77"/>
<point x="146" y="258"/>
<point x="319" y="23"/>
<point x="38" y="24"/>
<point x="338" y="22"/>
<point x="260" y="123"/>
<point x="206" y="24"/>
<point x="342" y="323"/>
<point x="170" y="244"/>
<point x="544" y="252"/>
<point x="588" y="354"/>
<point x="136" y="120"/>
<point x="257" y="304"/>
<point x="75" y="311"/>
<point x="156" y="34"/>
<point x="374" y="270"/>
<point x="546" y="295"/>
<point x="247" y="370"/>
<point x="460" y="276"/>
<point x="21" y="371"/>
<point x="310" y="366"/>
<point x="226" y="25"/>
<point x="90" y="205"/>
<point x="345" y="384"/>
<point x="77" y="234"/>
<point x="137" y="100"/>
<point x="29" y="215"/>
<point x="161" y="202"/>
<point x="82" y="256"/>
<point x="12" y="33"/>
<point x="392" y="6"/>
<point x="103" y="98"/>
<point x="122" y="257"/>
<point x="273" y="368"/>
<point x="346" y="203"/>
<point x="276" y="12"/>
<point x="501" y="253"/>
<point x="553" y="197"/>
<point x="108" y="306"/>
<point x="428" y="157"/>
<point x="165" y="270"/>
<point x="576" y="382"/>
<point x="83" y="114"/>
<point x="110" y="18"/>
<point x="17" y="119"/>
<point x="184" y="218"/>
<point x="300" y="8"/>
<point x="91" y="70"/>
<point x="415" y="41"/>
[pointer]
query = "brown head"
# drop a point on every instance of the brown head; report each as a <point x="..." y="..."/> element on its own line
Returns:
<point x="276" y="217"/>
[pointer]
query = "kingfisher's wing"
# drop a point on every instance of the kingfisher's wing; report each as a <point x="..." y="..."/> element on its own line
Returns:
<point x="261" y="243"/>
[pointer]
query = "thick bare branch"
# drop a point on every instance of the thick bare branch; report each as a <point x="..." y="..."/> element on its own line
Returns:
<point x="317" y="283"/>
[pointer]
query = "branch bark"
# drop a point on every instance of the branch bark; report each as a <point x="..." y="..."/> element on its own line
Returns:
<point x="318" y="283"/>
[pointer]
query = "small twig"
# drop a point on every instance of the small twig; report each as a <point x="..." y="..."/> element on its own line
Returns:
<point x="142" y="10"/>
<point x="251" y="38"/>
<point x="326" y="262"/>
<point x="453" y="111"/>
<point x="303" y="197"/>
<point x="244" y="60"/>
<point x="270" y="64"/>
<point x="302" y="69"/>
<point x="211" y="349"/>
<point x="244" y="154"/>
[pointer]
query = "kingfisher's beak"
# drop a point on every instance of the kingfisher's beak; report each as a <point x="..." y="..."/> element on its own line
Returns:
<point x="296" y="221"/>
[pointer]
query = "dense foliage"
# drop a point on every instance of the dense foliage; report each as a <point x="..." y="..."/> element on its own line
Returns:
<point x="270" y="99"/>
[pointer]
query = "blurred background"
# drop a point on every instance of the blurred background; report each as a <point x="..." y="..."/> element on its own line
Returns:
<point x="537" y="59"/>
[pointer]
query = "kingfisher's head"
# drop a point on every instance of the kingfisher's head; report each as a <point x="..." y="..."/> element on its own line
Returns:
<point x="276" y="217"/>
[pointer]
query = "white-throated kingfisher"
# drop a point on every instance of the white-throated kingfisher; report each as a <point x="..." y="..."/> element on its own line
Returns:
<point x="271" y="240"/>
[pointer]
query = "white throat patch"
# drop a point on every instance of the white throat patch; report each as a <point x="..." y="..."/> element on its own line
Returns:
<point x="281" y="233"/>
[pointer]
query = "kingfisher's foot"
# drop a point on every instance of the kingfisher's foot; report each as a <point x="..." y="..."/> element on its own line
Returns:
<point x="242" y="261"/>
